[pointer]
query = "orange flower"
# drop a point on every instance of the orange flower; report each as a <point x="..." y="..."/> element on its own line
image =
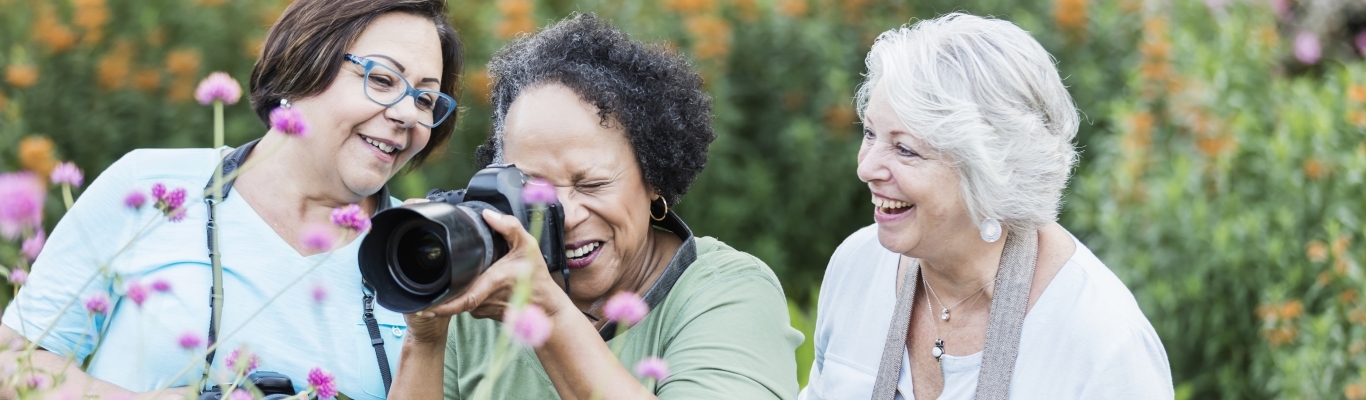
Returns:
<point x="1340" y="245"/>
<point x="147" y="80"/>
<point x="1324" y="278"/>
<point x="1316" y="251"/>
<point x="3" y="102"/>
<point x="840" y="119"/>
<point x="1070" y="16"/>
<point x="1357" y="316"/>
<point x="1347" y="297"/>
<point x="1354" y="391"/>
<point x="48" y="30"/>
<point x="183" y="62"/>
<point x="689" y="6"/>
<point x="478" y="83"/>
<point x="115" y="66"/>
<point x="1357" y="347"/>
<point x="1268" y="36"/>
<point x="21" y="75"/>
<point x="1313" y="169"/>
<point x="91" y="16"/>
<point x="181" y="89"/>
<point x="35" y="154"/>
<point x="748" y="9"/>
<point x="853" y="10"/>
<point x="1356" y="117"/>
<point x="515" y="8"/>
<point x="1291" y="309"/>
<point x="792" y="8"/>
<point x="156" y="37"/>
<point x="1139" y="136"/>
<point x="509" y="28"/>
<point x="1357" y="93"/>
<point x="711" y="36"/>
<point x="252" y="47"/>
<point x="1214" y="146"/>
<point x="1280" y="336"/>
<point x="1266" y="312"/>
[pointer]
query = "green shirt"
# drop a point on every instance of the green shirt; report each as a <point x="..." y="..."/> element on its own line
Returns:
<point x="723" y="329"/>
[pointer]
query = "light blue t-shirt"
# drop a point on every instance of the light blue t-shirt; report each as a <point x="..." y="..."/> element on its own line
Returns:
<point x="141" y="350"/>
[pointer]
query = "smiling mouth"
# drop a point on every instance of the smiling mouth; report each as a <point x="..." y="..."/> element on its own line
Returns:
<point x="582" y="252"/>
<point x="892" y="207"/>
<point x="383" y="147"/>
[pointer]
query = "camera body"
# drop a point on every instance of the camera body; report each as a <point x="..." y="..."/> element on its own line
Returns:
<point x="418" y="255"/>
<point x="273" y="386"/>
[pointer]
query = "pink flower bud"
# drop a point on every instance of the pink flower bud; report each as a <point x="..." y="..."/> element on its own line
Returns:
<point x="34" y="245"/>
<point x="625" y="307"/>
<point x="190" y="341"/>
<point x="161" y="286"/>
<point x="529" y="326"/>
<point x="248" y="365"/>
<point x="351" y="217"/>
<point x="318" y="237"/>
<point x="219" y="86"/>
<point x="158" y="191"/>
<point x="97" y="304"/>
<point x="21" y="203"/>
<point x="134" y="200"/>
<point x="1307" y="48"/>
<point x="654" y="368"/>
<point x="288" y="121"/>
<point x="18" y="276"/>
<point x="67" y="173"/>
<point x="319" y="292"/>
<point x="322" y="383"/>
<point x="137" y="293"/>
<point x="538" y="191"/>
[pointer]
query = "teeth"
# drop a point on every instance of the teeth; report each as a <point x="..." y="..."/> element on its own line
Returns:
<point x="581" y="251"/>
<point x="381" y="145"/>
<point x="889" y="204"/>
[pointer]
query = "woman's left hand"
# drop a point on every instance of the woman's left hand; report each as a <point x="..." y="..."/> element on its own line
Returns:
<point x="489" y="295"/>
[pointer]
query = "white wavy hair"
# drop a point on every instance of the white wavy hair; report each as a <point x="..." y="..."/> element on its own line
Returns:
<point x="984" y="94"/>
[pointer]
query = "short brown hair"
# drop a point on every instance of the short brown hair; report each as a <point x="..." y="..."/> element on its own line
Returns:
<point x="303" y="53"/>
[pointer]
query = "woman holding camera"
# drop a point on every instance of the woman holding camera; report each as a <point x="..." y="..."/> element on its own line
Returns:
<point x="966" y="287"/>
<point x="373" y="79"/>
<point x="621" y="130"/>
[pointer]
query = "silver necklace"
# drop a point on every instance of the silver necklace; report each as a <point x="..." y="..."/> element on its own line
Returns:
<point x="938" y="350"/>
<point x="944" y="311"/>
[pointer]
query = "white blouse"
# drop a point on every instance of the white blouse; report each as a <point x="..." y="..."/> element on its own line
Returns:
<point x="1085" y="338"/>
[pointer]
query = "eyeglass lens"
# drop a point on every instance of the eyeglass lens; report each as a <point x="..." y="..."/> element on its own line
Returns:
<point x="385" y="86"/>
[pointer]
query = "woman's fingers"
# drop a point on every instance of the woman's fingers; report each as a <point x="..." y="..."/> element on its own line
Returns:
<point x="415" y="201"/>
<point x="510" y="228"/>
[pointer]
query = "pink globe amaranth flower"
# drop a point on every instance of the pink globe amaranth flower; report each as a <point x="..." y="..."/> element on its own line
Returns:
<point x="219" y="86"/>
<point x="529" y="326"/>
<point x="36" y="381"/>
<point x="135" y="199"/>
<point x="653" y="367"/>
<point x="319" y="292"/>
<point x="538" y="191"/>
<point x="34" y="245"/>
<point x="248" y="365"/>
<point x="161" y="286"/>
<point x="625" y="307"/>
<point x="18" y="276"/>
<point x="239" y="394"/>
<point x="67" y="173"/>
<point x="190" y="341"/>
<point x="322" y="383"/>
<point x="1307" y="48"/>
<point x="288" y="121"/>
<point x="176" y="198"/>
<point x="318" y="237"/>
<point x="176" y="215"/>
<point x="351" y="217"/>
<point x="97" y="303"/>
<point x="137" y="293"/>
<point x="1360" y="41"/>
<point x="21" y="203"/>
<point x="158" y="191"/>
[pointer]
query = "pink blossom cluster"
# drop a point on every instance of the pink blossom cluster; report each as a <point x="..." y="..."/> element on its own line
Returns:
<point x="626" y="308"/>
<point x="351" y="217"/>
<point x="529" y="326"/>
<point x="138" y="292"/>
<point x="219" y="86"/>
<point x="288" y="121"/>
<point x="172" y="203"/>
<point x="97" y="304"/>
<point x="654" y="368"/>
<point x="322" y="383"/>
<point x="21" y="203"/>
<point x="538" y="191"/>
<point x="250" y="361"/>
<point x="67" y="173"/>
<point x="34" y="245"/>
<point x="190" y="340"/>
<point x="318" y="237"/>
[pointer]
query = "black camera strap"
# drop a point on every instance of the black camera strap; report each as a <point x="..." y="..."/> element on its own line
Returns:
<point x="230" y="164"/>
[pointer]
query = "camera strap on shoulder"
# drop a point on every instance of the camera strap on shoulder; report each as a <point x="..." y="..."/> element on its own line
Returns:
<point x="229" y="165"/>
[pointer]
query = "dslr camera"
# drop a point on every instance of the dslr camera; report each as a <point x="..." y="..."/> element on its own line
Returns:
<point x="419" y="255"/>
<point x="273" y="386"/>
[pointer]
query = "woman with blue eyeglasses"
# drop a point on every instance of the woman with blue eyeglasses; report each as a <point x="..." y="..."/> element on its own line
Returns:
<point x="372" y="79"/>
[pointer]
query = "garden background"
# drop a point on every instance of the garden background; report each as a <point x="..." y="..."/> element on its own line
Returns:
<point x="1223" y="147"/>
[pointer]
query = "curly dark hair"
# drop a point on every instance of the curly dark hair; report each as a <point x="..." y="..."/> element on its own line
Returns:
<point x="652" y="92"/>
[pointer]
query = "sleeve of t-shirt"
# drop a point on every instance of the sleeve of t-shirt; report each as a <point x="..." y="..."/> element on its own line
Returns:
<point x="1135" y="368"/>
<point x="733" y="340"/>
<point x="74" y="265"/>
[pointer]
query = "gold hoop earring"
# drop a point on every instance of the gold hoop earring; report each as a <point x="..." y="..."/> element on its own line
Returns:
<point x="666" y="210"/>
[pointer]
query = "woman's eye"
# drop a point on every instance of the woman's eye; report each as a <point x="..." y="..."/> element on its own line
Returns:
<point x="906" y="152"/>
<point x="868" y="134"/>
<point x="381" y="81"/>
<point x="425" y="103"/>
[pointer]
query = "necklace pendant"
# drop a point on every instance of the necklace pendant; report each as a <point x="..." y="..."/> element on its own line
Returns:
<point x="944" y="314"/>
<point x="938" y="350"/>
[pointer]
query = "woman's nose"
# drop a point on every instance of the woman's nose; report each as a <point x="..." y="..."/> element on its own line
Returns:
<point x="574" y="211"/>
<point x="405" y="112"/>
<point x="870" y="166"/>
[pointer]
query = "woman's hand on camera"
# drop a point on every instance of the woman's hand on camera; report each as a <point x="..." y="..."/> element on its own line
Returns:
<point x="489" y="295"/>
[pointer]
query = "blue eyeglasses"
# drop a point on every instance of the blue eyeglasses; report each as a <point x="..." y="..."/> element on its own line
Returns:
<point x="387" y="87"/>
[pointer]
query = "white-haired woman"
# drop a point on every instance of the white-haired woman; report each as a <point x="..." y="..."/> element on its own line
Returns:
<point x="966" y="286"/>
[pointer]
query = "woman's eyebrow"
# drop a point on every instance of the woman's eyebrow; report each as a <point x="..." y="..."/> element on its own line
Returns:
<point x="401" y="69"/>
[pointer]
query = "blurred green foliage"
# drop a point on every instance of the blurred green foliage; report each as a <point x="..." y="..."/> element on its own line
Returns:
<point x="1220" y="179"/>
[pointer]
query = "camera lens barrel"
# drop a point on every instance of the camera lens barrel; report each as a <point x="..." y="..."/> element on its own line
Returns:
<point x="420" y="254"/>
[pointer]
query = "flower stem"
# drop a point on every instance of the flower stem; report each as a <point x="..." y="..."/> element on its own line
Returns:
<point x="521" y="294"/>
<point x="66" y="195"/>
<point x="217" y="124"/>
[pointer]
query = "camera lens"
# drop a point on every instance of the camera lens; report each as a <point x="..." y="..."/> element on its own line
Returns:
<point x="420" y="260"/>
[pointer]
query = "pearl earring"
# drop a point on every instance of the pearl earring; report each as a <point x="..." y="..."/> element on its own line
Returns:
<point x="284" y="103"/>
<point x="991" y="230"/>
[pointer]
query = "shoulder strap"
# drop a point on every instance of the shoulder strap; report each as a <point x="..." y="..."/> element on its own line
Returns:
<point x="1009" y="302"/>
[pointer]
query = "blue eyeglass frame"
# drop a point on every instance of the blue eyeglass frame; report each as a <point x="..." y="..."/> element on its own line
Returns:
<point x="413" y="92"/>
